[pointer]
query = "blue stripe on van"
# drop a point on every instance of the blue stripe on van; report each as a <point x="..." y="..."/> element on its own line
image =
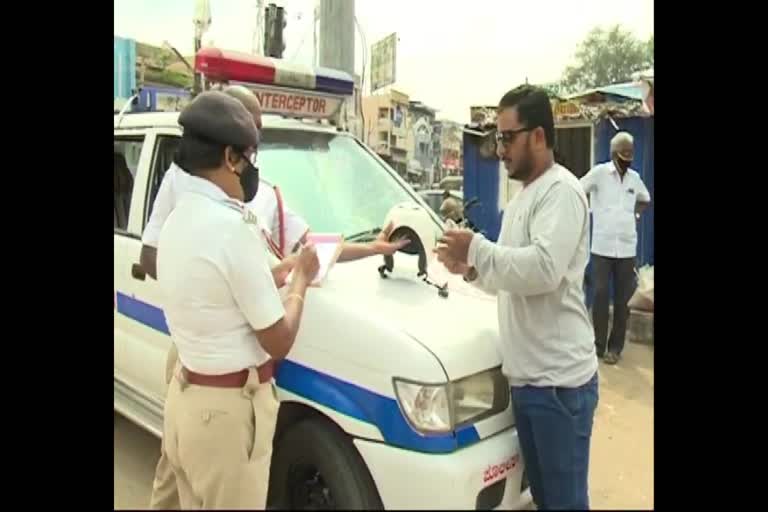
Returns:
<point x="142" y="312"/>
<point x="368" y="406"/>
<point x="341" y="396"/>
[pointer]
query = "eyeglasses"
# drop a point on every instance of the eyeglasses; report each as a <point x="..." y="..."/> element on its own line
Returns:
<point x="251" y="159"/>
<point x="506" y="137"/>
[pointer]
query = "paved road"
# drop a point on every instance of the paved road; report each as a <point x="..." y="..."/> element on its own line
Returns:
<point x="621" y="472"/>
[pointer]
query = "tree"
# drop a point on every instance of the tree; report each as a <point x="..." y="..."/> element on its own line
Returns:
<point x="554" y="89"/>
<point x="607" y="57"/>
<point x="650" y="48"/>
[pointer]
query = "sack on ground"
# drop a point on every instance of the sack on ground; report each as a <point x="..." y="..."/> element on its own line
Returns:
<point x="642" y="299"/>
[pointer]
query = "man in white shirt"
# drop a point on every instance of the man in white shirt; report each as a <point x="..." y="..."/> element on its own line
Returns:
<point x="617" y="196"/>
<point x="537" y="271"/>
<point x="224" y="314"/>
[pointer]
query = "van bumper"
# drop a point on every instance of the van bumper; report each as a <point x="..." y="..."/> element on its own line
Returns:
<point x="413" y="480"/>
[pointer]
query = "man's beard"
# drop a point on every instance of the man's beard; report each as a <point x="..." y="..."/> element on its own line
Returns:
<point x="523" y="170"/>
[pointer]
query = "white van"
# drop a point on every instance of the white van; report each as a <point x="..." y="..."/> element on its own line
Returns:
<point x="392" y="396"/>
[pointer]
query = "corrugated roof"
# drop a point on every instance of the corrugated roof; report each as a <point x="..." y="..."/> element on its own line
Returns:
<point x="630" y="90"/>
<point x="644" y="75"/>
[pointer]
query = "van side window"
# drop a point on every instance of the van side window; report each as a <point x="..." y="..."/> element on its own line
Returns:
<point x="165" y="149"/>
<point x="126" y="160"/>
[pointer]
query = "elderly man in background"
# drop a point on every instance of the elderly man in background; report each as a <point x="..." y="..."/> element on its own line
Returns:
<point x="617" y="197"/>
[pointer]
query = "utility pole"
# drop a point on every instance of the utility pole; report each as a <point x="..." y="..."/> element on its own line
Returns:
<point x="337" y="35"/>
<point x="202" y="21"/>
<point x="274" y="43"/>
<point x="315" y="18"/>
<point x="257" y="42"/>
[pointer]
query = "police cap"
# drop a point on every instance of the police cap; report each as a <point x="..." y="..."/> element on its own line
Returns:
<point x="220" y="118"/>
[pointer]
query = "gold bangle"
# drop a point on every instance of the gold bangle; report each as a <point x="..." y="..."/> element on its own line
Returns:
<point x="295" y="295"/>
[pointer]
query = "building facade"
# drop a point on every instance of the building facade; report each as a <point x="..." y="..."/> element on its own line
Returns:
<point x="450" y="143"/>
<point x="422" y="155"/>
<point x="386" y="127"/>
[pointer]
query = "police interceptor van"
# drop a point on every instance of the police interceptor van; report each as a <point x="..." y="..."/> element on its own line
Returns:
<point x="392" y="396"/>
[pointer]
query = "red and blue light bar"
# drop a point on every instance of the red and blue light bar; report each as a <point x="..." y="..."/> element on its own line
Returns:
<point x="224" y="66"/>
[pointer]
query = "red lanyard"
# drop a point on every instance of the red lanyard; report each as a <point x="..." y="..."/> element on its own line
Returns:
<point x="272" y="245"/>
<point x="280" y="219"/>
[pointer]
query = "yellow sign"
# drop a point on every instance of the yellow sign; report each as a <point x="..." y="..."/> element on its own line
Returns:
<point x="563" y="109"/>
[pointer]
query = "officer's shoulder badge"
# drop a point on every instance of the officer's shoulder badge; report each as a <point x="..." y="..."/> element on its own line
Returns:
<point x="248" y="214"/>
<point x="249" y="217"/>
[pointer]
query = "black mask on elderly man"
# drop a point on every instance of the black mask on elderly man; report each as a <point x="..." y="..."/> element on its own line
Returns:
<point x="623" y="165"/>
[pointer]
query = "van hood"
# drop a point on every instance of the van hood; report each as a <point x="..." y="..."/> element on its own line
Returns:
<point x="461" y="330"/>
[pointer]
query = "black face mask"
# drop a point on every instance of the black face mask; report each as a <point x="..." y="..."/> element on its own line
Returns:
<point x="623" y="164"/>
<point x="249" y="181"/>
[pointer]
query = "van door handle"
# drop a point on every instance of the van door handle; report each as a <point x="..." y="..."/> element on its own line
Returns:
<point x="138" y="272"/>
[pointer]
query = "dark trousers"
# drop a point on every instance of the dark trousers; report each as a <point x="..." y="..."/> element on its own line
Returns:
<point x="554" y="426"/>
<point x="622" y="270"/>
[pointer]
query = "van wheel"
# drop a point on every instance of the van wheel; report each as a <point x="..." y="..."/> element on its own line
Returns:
<point x="316" y="467"/>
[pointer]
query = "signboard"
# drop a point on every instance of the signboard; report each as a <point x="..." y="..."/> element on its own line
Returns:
<point x="566" y="110"/>
<point x="166" y="102"/>
<point x="451" y="163"/>
<point x="481" y="116"/>
<point x="125" y="67"/>
<point x="295" y="102"/>
<point x="383" y="62"/>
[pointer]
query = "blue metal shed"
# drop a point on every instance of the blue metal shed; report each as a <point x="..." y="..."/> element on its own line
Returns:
<point x="481" y="181"/>
<point x="641" y="128"/>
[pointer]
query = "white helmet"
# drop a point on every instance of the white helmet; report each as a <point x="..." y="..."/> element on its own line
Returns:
<point x="411" y="221"/>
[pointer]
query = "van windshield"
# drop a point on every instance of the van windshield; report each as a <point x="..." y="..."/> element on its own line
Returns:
<point x="329" y="180"/>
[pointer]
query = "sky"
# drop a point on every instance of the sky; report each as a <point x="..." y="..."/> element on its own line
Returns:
<point x="451" y="54"/>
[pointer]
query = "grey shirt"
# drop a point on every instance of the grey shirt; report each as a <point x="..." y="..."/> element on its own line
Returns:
<point x="537" y="271"/>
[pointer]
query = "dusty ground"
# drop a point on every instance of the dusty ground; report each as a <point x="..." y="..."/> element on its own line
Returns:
<point x="621" y="472"/>
<point x="621" y="465"/>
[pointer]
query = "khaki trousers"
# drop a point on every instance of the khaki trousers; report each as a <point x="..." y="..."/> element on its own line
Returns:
<point x="217" y="444"/>
<point x="165" y="493"/>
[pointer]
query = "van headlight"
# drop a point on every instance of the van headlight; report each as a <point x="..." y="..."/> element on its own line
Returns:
<point x="424" y="405"/>
<point x="439" y="408"/>
<point x="479" y="396"/>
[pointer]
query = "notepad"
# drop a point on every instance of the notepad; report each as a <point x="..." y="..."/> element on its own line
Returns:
<point x="328" y="247"/>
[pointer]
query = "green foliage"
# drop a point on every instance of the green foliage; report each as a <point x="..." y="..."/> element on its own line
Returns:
<point x="607" y="57"/>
